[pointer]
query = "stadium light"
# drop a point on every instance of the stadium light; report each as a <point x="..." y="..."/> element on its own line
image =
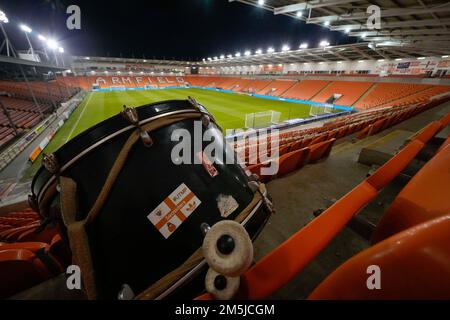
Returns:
<point x="261" y="2"/>
<point x="259" y="51"/>
<point x="398" y="59"/>
<point x="230" y="56"/>
<point x="446" y="56"/>
<point x="238" y="54"/>
<point x="304" y="45"/>
<point x="347" y="30"/>
<point x="3" y="17"/>
<point x="285" y="48"/>
<point x="339" y="62"/>
<point x="247" y="53"/>
<point x="380" y="60"/>
<point x="299" y="14"/>
<point x="25" y="28"/>
<point x="222" y="56"/>
<point x="61" y="50"/>
<point x="360" y="61"/>
<point x="324" y="43"/>
<point x="42" y="38"/>
<point x="216" y="58"/>
<point x="326" y="23"/>
<point x="209" y="59"/>
<point x="270" y="50"/>
<point x="363" y="35"/>
<point x="421" y="58"/>
<point x="52" y="44"/>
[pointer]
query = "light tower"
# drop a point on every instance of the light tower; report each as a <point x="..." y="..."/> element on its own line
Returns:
<point x="26" y="29"/>
<point x="6" y="43"/>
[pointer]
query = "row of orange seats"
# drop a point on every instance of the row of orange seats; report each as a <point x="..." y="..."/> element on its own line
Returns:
<point x="413" y="233"/>
<point x="29" y="252"/>
<point x="384" y="93"/>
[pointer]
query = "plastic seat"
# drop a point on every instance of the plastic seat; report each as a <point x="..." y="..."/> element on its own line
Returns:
<point x="414" y="264"/>
<point x="20" y="269"/>
<point x="425" y="197"/>
<point x="320" y="150"/>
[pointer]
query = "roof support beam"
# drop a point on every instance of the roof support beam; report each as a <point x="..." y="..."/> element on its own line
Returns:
<point x="397" y="24"/>
<point x="304" y="5"/>
<point x="363" y="15"/>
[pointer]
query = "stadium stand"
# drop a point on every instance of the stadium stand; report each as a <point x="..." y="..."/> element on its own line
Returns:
<point x="418" y="218"/>
<point x="277" y="88"/>
<point x="350" y="92"/>
<point x="305" y="90"/>
<point x="385" y="93"/>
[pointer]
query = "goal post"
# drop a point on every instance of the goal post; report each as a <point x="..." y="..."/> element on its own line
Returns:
<point x="318" y="110"/>
<point x="262" y="119"/>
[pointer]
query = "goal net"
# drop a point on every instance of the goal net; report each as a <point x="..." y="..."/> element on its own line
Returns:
<point x="262" y="119"/>
<point x="318" y="110"/>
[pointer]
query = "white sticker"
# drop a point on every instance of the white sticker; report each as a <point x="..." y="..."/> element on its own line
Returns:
<point x="174" y="210"/>
<point x="226" y="204"/>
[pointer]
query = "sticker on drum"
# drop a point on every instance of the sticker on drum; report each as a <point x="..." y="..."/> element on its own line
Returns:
<point x="227" y="205"/>
<point x="207" y="164"/>
<point x="174" y="210"/>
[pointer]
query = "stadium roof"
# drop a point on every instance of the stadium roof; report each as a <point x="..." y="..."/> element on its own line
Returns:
<point x="406" y="22"/>
<point x="348" y="52"/>
<point x="176" y="63"/>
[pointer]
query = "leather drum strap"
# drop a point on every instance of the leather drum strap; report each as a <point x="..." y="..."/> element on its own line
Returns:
<point x="76" y="230"/>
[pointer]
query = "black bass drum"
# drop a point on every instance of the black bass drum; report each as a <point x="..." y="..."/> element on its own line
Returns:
<point x="134" y="217"/>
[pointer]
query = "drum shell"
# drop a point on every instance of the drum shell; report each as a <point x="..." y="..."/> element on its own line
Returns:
<point x="125" y="246"/>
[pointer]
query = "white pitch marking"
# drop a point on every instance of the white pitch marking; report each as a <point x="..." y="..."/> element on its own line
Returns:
<point x="79" y="117"/>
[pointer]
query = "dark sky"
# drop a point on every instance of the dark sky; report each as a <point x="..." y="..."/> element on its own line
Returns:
<point x="169" y="29"/>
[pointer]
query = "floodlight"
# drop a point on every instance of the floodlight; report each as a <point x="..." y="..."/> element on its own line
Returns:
<point x="324" y="43"/>
<point x="52" y="44"/>
<point x="270" y="50"/>
<point x="261" y="2"/>
<point x="247" y="53"/>
<point x="238" y="54"/>
<point x="42" y="38"/>
<point x="304" y="45"/>
<point x="259" y="51"/>
<point x="327" y="23"/>
<point x="61" y="50"/>
<point x="285" y="48"/>
<point x="299" y="13"/>
<point x="25" y="28"/>
<point x="3" y="17"/>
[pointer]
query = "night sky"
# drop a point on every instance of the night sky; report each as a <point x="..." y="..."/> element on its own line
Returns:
<point x="164" y="29"/>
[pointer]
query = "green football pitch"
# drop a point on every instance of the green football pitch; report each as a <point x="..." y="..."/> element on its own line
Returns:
<point x="229" y="110"/>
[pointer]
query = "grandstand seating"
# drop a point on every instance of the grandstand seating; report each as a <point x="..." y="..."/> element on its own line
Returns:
<point x="23" y="111"/>
<point x="277" y="87"/>
<point x="29" y="253"/>
<point x="305" y="89"/>
<point x="418" y="218"/>
<point x="385" y="93"/>
<point x="351" y="92"/>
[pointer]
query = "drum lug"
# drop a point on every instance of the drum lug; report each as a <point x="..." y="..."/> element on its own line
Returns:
<point x="50" y="163"/>
<point x="126" y="293"/>
<point x="204" y="227"/>
<point x="206" y="120"/>
<point x="253" y="185"/>
<point x="131" y="115"/>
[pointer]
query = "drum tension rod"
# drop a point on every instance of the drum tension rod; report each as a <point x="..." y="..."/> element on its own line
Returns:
<point x="206" y="116"/>
<point x="131" y="115"/>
